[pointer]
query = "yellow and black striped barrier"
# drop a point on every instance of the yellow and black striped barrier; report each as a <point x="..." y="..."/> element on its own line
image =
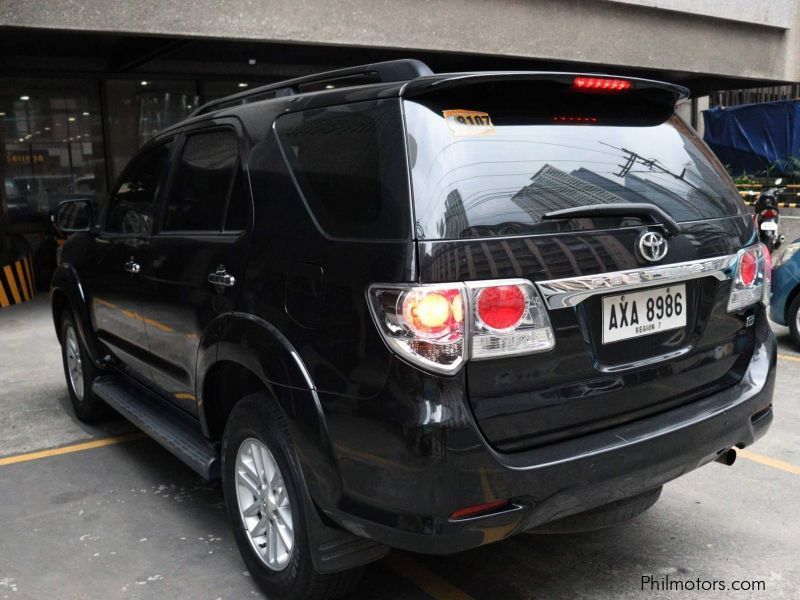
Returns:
<point x="779" y="204"/>
<point x="16" y="282"/>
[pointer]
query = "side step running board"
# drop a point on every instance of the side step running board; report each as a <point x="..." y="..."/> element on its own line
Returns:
<point x="159" y="422"/>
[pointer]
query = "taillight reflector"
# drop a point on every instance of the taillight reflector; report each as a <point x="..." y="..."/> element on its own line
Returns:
<point x="478" y="509"/>
<point x="748" y="269"/>
<point x="501" y="307"/>
<point x="600" y="84"/>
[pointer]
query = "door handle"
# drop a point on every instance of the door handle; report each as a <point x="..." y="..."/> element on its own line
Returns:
<point x="221" y="278"/>
<point x="132" y="266"/>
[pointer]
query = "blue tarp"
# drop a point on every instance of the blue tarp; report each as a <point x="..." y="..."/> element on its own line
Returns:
<point x="756" y="139"/>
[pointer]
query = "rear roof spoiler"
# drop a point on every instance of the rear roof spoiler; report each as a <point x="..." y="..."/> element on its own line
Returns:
<point x="382" y="72"/>
<point x="445" y="81"/>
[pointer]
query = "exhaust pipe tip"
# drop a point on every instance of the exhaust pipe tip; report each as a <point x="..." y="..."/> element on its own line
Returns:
<point x="727" y="458"/>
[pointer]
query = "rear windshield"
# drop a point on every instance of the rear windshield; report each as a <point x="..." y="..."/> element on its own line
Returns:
<point x="490" y="164"/>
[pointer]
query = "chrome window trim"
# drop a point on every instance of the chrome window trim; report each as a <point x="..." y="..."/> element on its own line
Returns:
<point x="571" y="291"/>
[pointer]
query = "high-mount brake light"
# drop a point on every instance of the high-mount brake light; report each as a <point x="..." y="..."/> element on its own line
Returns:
<point x="573" y="119"/>
<point x="439" y="326"/>
<point x="753" y="277"/>
<point x="600" y="84"/>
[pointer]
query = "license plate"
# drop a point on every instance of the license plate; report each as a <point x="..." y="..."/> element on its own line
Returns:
<point x="769" y="226"/>
<point x="638" y="314"/>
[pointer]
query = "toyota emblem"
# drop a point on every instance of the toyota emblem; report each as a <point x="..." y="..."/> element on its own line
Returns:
<point x="653" y="246"/>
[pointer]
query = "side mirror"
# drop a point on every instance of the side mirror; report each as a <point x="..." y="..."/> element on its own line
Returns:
<point x="72" y="216"/>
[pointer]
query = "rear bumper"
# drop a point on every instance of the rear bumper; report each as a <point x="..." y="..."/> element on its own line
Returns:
<point x="402" y="499"/>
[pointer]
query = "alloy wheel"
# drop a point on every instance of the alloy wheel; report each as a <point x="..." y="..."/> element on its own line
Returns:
<point x="74" y="364"/>
<point x="264" y="506"/>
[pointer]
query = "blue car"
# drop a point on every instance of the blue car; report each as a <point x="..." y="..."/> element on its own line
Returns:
<point x="784" y="305"/>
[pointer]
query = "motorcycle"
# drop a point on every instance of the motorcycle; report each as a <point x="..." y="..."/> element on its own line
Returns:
<point x="767" y="217"/>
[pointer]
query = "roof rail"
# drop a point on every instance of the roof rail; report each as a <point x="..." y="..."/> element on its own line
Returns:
<point x="382" y="72"/>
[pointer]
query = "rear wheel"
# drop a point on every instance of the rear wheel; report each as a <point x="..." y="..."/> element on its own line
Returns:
<point x="603" y="516"/>
<point x="793" y="319"/>
<point x="79" y="371"/>
<point x="266" y="503"/>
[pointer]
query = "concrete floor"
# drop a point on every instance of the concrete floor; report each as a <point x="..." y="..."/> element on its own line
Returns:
<point x="129" y="521"/>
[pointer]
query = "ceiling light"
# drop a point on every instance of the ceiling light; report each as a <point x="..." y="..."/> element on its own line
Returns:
<point x="251" y="61"/>
<point x="2" y="114"/>
<point x="144" y="83"/>
<point x="85" y="113"/>
<point x="71" y="119"/>
<point x="25" y="98"/>
<point x="242" y="85"/>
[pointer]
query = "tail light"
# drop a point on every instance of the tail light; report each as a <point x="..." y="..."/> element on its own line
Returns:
<point x="769" y="213"/>
<point x="508" y="318"/>
<point x="439" y="326"/>
<point x="753" y="277"/>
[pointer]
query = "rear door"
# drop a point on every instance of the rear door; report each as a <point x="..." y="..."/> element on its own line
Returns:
<point x="492" y="160"/>
<point x="113" y="274"/>
<point x="197" y="257"/>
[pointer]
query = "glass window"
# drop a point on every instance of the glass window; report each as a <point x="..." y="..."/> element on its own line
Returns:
<point x="350" y="164"/>
<point x="202" y="182"/>
<point x="518" y="153"/>
<point x="132" y="206"/>
<point x="51" y="147"/>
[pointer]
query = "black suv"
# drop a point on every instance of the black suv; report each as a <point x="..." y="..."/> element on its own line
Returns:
<point x="390" y="308"/>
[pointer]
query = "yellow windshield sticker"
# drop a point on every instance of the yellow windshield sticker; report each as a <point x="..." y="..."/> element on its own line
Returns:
<point x="468" y="122"/>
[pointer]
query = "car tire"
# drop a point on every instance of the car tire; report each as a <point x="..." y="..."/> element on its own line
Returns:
<point x="792" y="316"/>
<point x="602" y="516"/>
<point x="79" y="371"/>
<point x="280" y="560"/>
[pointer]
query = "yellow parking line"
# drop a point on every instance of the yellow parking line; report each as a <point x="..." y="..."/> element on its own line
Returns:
<point x="425" y="579"/>
<point x="789" y="357"/>
<point x="770" y="462"/>
<point x="19" y="458"/>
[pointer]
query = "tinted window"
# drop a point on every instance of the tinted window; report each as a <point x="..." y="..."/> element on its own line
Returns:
<point x="350" y="164"/>
<point x="202" y="182"/>
<point x="494" y="166"/>
<point x="131" y="207"/>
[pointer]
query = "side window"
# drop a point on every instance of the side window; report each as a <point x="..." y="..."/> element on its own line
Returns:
<point x="131" y="207"/>
<point x="203" y="181"/>
<point x="350" y="164"/>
